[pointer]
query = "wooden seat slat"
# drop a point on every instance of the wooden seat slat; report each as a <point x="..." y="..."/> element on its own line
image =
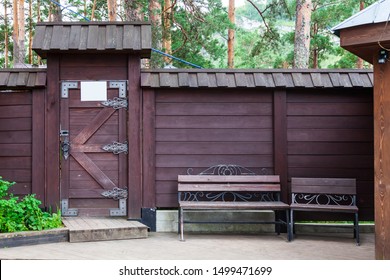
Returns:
<point x="229" y="178"/>
<point x="229" y="187"/>
<point x="263" y="205"/>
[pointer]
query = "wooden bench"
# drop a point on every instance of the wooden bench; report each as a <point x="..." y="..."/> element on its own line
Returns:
<point x="324" y="195"/>
<point x="230" y="192"/>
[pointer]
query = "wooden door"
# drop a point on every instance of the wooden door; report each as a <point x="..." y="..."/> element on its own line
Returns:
<point x="94" y="151"/>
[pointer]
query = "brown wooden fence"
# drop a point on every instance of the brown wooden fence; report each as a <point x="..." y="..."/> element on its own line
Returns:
<point x="205" y="118"/>
<point x="308" y="123"/>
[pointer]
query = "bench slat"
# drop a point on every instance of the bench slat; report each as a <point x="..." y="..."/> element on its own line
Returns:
<point x="273" y="205"/>
<point x="229" y="187"/>
<point x="325" y="208"/>
<point x="323" y="185"/>
<point x="229" y="178"/>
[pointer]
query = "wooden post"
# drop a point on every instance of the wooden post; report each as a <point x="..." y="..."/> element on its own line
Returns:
<point x="280" y="140"/>
<point x="38" y="145"/>
<point x="134" y="136"/>
<point x="149" y="149"/>
<point x="382" y="158"/>
<point x="52" y="130"/>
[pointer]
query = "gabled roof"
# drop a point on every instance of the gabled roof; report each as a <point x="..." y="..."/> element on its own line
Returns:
<point x="275" y="78"/>
<point x="375" y="13"/>
<point x="22" y="78"/>
<point x="93" y="37"/>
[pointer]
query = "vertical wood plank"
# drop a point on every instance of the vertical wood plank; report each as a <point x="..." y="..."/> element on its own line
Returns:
<point x="122" y="176"/>
<point x="382" y="159"/>
<point x="38" y="144"/>
<point x="280" y="140"/>
<point x="149" y="148"/>
<point x="52" y="128"/>
<point x="65" y="164"/>
<point x="134" y="134"/>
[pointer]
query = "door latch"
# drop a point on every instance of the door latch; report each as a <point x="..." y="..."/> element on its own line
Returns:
<point x="65" y="144"/>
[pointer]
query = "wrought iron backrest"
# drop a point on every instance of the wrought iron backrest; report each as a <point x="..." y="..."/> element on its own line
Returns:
<point x="323" y="191"/>
<point x="230" y="176"/>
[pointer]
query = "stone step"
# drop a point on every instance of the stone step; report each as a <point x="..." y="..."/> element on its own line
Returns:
<point x="83" y="229"/>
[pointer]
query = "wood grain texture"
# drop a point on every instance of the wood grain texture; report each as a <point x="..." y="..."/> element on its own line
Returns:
<point x="382" y="160"/>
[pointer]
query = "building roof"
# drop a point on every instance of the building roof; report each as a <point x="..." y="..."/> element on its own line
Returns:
<point x="375" y="13"/>
<point x="22" y="78"/>
<point x="276" y="78"/>
<point x="93" y="37"/>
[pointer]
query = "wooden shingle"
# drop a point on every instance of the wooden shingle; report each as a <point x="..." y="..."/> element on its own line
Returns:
<point x="260" y="79"/>
<point x="22" y="78"/>
<point x="102" y="37"/>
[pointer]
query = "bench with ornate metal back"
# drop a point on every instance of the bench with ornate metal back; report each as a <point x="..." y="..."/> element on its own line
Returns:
<point x="324" y="195"/>
<point x="229" y="187"/>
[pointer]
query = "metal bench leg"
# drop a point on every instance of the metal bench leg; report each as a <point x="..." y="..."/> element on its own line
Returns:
<point x="277" y="222"/>
<point x="356" y="229"/>
<point x="291" y="224"/>
<point x="288" y="225"/>
<point x="181" y="221"/>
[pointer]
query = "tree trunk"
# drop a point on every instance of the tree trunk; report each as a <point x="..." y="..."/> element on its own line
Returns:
<point x="167" y="39"/>
<point x="232" y="20"/>
<point x="6" y="35"/>
<point x="156" y="21"/>
<point x="111" y="4"/>
<point x="93" y="10"/>
<point x="359" y="63"/>
<point x="18" y="33"/>
<point x="132" y="10"/>
<point x="315" y="49"/>
<point x="30" y="33"/>
<point x="302" y="34"/>
<point x="56" y="15"/>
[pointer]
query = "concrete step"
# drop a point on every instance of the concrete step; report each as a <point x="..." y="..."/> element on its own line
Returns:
<point x="83" y="229"/>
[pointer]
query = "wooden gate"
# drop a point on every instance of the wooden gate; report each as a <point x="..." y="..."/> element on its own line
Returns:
<point x="94" y="148"/>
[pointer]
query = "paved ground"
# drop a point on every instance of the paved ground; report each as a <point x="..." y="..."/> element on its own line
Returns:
<point x="166" y="246"/>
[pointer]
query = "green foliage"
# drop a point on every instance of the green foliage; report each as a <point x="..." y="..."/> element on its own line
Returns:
<point x="25" y="214"/>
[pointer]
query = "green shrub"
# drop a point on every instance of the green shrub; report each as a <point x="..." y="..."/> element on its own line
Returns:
<point x="25" y="214"/>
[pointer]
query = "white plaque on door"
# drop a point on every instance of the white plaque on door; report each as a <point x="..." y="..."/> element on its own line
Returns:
<point x="93" y="91"/>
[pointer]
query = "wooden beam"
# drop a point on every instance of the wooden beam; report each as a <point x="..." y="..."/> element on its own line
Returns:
<point x="38" y="144"/>
<point x="382" y="159"/>
<point x="52" y="128"/>
<point x="149" y="148"/>
<point x="363" y="40"/>
<point x="280" y="140"/>
<point x="134" y="134"/>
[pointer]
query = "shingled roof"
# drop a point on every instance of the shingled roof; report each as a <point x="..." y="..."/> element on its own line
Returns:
<point x="93" y="37"/>
<point x="22" y="78"/>
<point x="276" y="78"/>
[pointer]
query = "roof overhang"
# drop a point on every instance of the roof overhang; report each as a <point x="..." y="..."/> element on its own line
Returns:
<point x="93" y="37"/>
<point x="367" y="32"/>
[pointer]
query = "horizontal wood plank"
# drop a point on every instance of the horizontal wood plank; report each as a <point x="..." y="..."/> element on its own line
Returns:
<point x="230" y="135"/>
<point x="266" y="205"/>
<point x="213" y="109"/>
<point x="239" y="187"/>
<point x="229" y="178"/>
<point x="226" y="121"/>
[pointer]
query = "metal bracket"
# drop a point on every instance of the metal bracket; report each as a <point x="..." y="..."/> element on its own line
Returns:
<point x="121" y="211"/>
<point x="121" y="85"/>
<point x="66" y="211"/>
<point x="65" y="86"/>
<point x="116" y="148"/>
